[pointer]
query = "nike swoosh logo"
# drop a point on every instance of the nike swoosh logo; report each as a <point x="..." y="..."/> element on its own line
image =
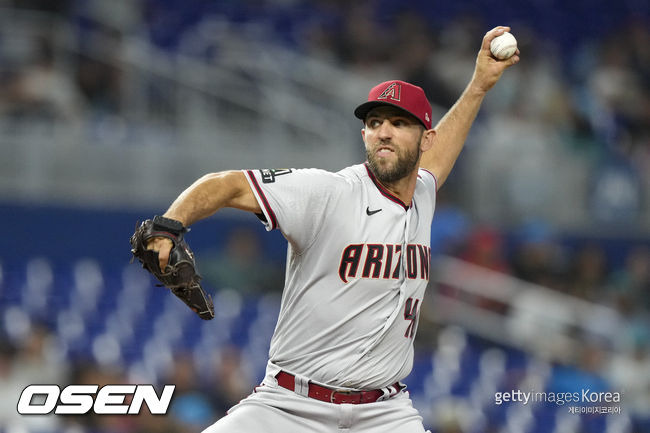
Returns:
<point x="372" y="212"/>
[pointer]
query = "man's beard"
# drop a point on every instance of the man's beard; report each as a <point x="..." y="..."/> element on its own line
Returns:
<point x="407" y="160"/>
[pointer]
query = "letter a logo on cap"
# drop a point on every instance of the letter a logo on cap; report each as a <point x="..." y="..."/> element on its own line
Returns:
<point x="392" y="92"/>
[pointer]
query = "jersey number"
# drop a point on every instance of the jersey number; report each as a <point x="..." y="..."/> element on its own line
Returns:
<point x="411" y="313"/>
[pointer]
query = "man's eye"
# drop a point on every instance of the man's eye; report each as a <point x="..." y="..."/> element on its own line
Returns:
<point x="402" y="122"/>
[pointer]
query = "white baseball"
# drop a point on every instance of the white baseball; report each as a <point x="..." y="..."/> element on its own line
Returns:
<point x="504" y="46"/>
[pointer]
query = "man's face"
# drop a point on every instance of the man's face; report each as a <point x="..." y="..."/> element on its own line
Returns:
<point x="392" y="139"/>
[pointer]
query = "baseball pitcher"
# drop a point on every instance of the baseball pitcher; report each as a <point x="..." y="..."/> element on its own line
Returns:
<point x="357" y="264"/>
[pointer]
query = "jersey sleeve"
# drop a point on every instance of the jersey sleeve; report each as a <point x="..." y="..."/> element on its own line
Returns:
<point x="430" y="181"/>
<point x="295" y="201"/>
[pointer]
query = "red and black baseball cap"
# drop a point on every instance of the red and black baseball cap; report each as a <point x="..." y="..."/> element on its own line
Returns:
<point x="401" y="94"/>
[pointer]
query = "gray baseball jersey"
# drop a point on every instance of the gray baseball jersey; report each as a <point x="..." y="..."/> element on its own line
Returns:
<point x="357" y="269"/>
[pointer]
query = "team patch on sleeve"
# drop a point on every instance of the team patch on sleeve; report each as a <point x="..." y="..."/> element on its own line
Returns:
<point x="269" y="174"/>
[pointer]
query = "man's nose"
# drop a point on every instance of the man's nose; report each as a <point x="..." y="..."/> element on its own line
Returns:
<point x="385" y="129"/>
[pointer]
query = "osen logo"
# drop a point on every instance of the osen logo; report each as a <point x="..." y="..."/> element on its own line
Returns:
<point x="81" y="399"/>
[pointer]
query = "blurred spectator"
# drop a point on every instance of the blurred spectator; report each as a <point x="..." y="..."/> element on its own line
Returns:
<point x="616" y="193"/>
<point x="8" y="389"/>
<point x="32" y="360"/>
<point x="89" y="373"/>
<point x="191" y="407"/>
<point x="232" y="382"/>
<point x="537" y="257"/>
<point x="37" y="360"/>
<point x="361" y="44"/>
<point x="123" y="15"/>
<point x="617" y="93"/>
<point x="587" y="273"/>
<point x="242" y="265"/>
<point x="41" y="90"/>
<point x="629" y="373"/>
<point x="584" y="373"/>
<point x="455" y="55"/>
<point x="318" y="35"/>
<point x="450" y="228"/>
<point x="628" y="291"/>
<point x="631" y="283"/>
<point x="52" y="6"/>
<point x="413" y="62"/>
<point x="148" y="423"/>
<point x="485" y="248"/>
<point x="99" y="76"/>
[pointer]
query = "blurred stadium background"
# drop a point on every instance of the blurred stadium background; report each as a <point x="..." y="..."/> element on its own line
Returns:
<point x="541" y="281"/>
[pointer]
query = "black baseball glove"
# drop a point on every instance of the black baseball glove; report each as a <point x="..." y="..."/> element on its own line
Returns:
<point x="180" y="275"/>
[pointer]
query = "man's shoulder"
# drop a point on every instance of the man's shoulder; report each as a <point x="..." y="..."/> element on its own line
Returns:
<point x="357" y="171"/>
<point x="312" y="176"/>
<point x="345" y="175"/>
<point x="426" y="185"/>
<point x="426" y="177"/>
<point x="352" y="174"/>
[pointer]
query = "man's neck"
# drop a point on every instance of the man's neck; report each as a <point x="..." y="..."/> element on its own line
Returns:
<point x="403" y="188"/>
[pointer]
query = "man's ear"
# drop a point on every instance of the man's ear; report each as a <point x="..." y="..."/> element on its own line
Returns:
<point x="428" y="137"/>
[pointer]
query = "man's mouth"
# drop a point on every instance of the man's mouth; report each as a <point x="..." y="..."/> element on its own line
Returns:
<point x="384" y="151"/>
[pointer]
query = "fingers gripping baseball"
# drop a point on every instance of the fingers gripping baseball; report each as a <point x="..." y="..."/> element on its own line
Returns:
<point x="488" y="68"/>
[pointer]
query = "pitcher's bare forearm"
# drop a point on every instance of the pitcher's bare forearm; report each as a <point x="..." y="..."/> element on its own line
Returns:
<point x="451" y="133"/>
<point x="209" y="194"/>
<point x="453" y="128"/>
